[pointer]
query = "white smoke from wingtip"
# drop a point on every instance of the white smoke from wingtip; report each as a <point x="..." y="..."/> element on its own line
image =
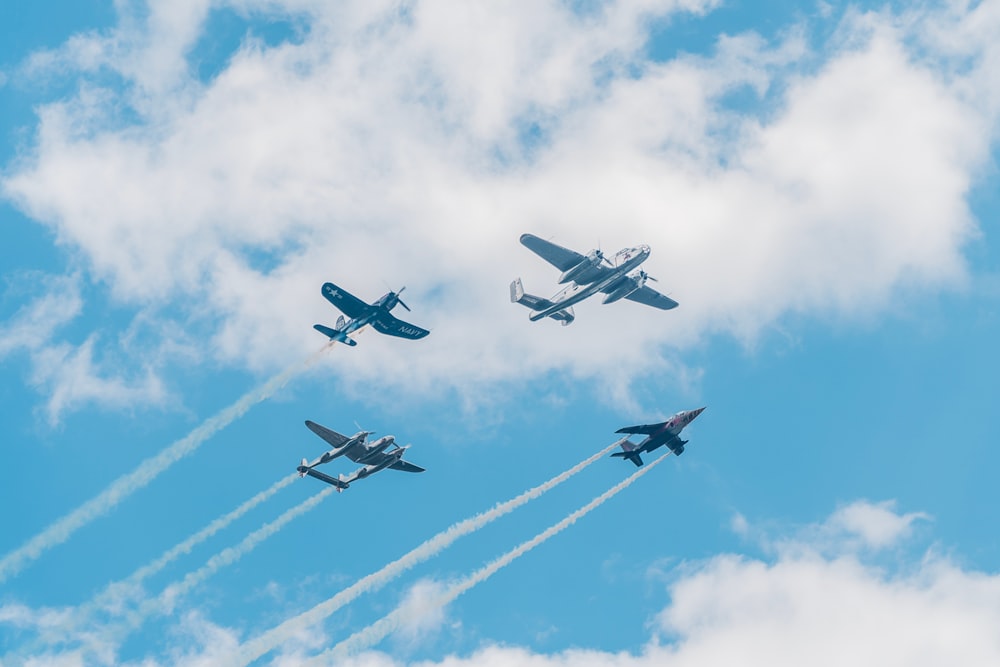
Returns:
<point x="62" y="529"/>
<point x="259" y="646"/>
<point x="376" y="632"/>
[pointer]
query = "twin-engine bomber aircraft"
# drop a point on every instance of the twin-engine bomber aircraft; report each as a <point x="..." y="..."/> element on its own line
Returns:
<point x="361" y="313"/>
<point x="373" y="456"/>
<point x="587" y="276"/>
<point x="666" y="433"/>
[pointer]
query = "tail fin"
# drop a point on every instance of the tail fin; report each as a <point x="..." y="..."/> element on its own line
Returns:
<point x="518" y="295"/>
<point x="629" y="451"/>
<point x="303" y="467"/>
<point x="334" y="334"/>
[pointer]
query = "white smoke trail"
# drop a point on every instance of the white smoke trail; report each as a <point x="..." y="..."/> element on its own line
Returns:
<point x="114" y="635"/>
<point x="257" y="647"/>
<point x="166" y="600"/>
<point x="116" y="594"/>
<point x="61" y="530"/>
<point x="379" y="630"/>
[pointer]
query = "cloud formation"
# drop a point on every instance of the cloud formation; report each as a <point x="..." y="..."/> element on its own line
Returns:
<point x="802" y="607"/>
<point x="413" y="144"/>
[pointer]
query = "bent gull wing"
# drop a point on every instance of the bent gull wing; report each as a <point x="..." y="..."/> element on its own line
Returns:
<point x="392" y="326"/>
<point x="346" y="302"/>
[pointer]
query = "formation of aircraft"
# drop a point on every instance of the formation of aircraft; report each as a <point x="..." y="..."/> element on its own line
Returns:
<point x="665" y="433"/>
<point x="360" y="313"/>
<point x="583" y="275"/>
<point x="617" y="278"/>
<point x="374" y="456"/>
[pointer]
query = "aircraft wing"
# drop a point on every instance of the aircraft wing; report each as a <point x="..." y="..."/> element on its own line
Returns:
<point x="562" y="258"/>
<point x="644" y="429"/>
<point x="334" y="439"/>
<point x="405" y="466"/>
<point x="650" y="297"/>
<point x="346" y="302"/>
<point x="392" y="326"/>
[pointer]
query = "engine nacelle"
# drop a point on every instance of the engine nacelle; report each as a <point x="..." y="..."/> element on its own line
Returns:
<point x="627" y="286"/>
<point x="588" y="262"/>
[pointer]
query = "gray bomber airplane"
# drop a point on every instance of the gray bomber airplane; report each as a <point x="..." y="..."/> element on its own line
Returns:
<point x="361" y="313"/>
<point x="666" y="433"/>
<point x="373" y="456"/>
<point x="588" y="275"/>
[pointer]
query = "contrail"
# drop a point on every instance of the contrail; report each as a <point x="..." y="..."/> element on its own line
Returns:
<point x="115" y="593"/>
<point x="379" y="630"/>
<point x="60" y="531"/>
<point x="287" y="630"/>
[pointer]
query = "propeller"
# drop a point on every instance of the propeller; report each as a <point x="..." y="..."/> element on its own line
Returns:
<point x="598" y="254"/>
<point x="361" y="428"/>
<point x="400" y="300"/>
<point x="643" y="277"/>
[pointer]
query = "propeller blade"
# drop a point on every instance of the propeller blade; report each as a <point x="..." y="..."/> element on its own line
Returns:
<point x="398" y="300"/>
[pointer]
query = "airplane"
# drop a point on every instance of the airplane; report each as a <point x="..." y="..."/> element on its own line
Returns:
<point x="666" y="433"/>
<point x="361" y="313"/>
<point x="587" y="275"/>
<point x="373" y="456"/>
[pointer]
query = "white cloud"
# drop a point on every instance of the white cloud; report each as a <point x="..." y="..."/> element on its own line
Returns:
<point x="422" y="617"/>
<point x="69" y="374"/>
<point x="803" y="608"/>
<point x="813" y="604"/>
<point x="388" y="145"/>
<point x="877" y="525"/>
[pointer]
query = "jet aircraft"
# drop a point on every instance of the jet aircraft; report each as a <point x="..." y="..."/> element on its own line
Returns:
<point x="657" y="435"/>
<point x="373" y="456"/>
<point x="588" y="275"/>
<point x="361" y="313"/>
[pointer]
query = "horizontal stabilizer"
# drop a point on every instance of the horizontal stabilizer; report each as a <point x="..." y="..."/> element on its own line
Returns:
<point x="304" y="470"/>
<point x="564" y="316"/>
<point x="334" y="334"/>
<point x="518" y="295"/>
<point x="631" y="456"/>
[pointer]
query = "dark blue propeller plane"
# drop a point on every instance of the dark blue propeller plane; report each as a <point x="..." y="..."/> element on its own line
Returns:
<point x="666" y="433"/>
<point x="361" y="314"/>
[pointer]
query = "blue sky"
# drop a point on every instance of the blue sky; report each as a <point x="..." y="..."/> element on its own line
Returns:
<point x="817" y="182"/>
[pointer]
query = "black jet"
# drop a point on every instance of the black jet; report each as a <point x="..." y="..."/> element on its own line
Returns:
<point x="666" y="433"/>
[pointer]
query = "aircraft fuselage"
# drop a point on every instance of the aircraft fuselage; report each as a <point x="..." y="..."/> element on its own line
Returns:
<point x="625" y="261"/>
<point x="669" y="431"/>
